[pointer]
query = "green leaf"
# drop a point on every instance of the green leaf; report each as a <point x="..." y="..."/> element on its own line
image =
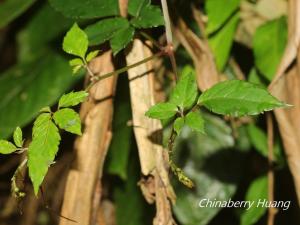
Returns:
<point x="221" y="41"/>
<point x="18" y="137"/>
<point x="11" y="9"/>
<point x="135" y="6"/>
<point x="76" y="42"/>
<point x="218" y="12"/>
<point x="259" y="140"/>
<point x="121" y="39"/>
<point x="104" y="30"/>
<point x="72" y="99"/>
<point x="91" y="55"/>
<point x="269" y="42"/>
<point x="255" y="78"/>
<point x="42" y="149"/>
<point x="149" y="16"/>
<point x="178" y="124"/>
<point x="7" y="147"/>
<point x="87" y="9"/>
<point x="195" y="121"/>
<point x="32" y="41"/>
<point x="185" y="93"/>
<point x="258" y="191"/>
<point x="162" y="111"/>
<point x="28" y="87"/>
<point x="76" y="62"/>
<point x="68" y="120"/>
<point x="238" y="98"/>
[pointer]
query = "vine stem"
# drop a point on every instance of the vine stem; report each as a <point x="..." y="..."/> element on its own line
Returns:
<point x="270" y="130"/>
<point x="98" y="78"/>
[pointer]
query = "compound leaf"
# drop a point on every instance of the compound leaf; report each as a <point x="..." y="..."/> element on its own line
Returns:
<point x="87" y="9"/>
<point x="72" y="99"/>
<point x="162" y="111"/>
<point x="121" y="39"/>
<point x="178" y="124"/>
<point x="18" y="137"/>
<point x="68" y="120"/>
<point x="185" y="93"/>
<point x="195" y="121"/>
<point x="91" y="55"/>
<point x="238" y="98"/>
<point x="76" y="42"/>
<point x="42" y="149"/>
<point x="135" y="6"/>
<point x="149" y="16"/>
<point x="104" y="30"/>
<point x="7" y="147"/>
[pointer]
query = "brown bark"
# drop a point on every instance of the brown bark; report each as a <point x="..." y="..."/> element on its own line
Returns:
<point x="91" y="147"/>
<point x="286" y="87"/>
<point x="153" y="158"/>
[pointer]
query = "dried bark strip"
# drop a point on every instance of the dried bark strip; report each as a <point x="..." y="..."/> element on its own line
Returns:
<point x="286" y="87"/>
<point x="148" y="135"/>
<point x="91" y="147"/>
<point x="207" y="74"/>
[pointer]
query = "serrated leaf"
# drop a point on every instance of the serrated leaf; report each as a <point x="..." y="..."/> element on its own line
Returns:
<point x="221" y="41"/>
<point x="162" y="111"/>
<point x="76" y="62"/>
<point x="91" y="55"/>
<point x="42" y="149"/>
<point x="11" y="9"/>
<point x="104" y="30"/>
<point x="135" y="6"/>
<point x="149" y="16"/>
<point x="258" y="191"/>
<point x="18" y="137"/>
<point x="7" y="147"/>
<point x="269" y="42"/>
<point x="76" y="42"/>
<point x="195" y="121"/>
<point x="72" y="99"/>
<point x="238" y="98"/>
<point x="185" y="92"/>
<point x="75" y="69"/>
<point x="178" y="124"/>
<point x="45" y="109"/>
<point x="68" y="120"/>
<point x="88" y="9"/>
<point x="218" y="12"/>
<point x="121" y="39"/>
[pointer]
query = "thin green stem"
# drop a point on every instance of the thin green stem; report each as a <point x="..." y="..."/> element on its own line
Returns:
<point x="98" y="78"/>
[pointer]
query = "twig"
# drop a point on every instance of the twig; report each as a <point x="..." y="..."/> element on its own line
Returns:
<point x="98" y="78"/>
<point x="272" y="211"/>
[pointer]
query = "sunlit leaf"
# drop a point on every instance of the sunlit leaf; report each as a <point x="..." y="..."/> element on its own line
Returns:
<point x="162" y="111"/>
<point x="18" y="137"/>
<point x="195" y="121"/>
<point x="72" y="99"/>
<point x="68" y="120"/>
<point x="42" y="149"/>
<point x="7" y="147"/>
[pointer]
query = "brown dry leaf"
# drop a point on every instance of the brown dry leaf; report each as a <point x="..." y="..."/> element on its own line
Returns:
<point x="91" y="147"/>
<point x="207" y="74"/>
<point x="286" y="87"/>
<point x="148" y="134"/>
